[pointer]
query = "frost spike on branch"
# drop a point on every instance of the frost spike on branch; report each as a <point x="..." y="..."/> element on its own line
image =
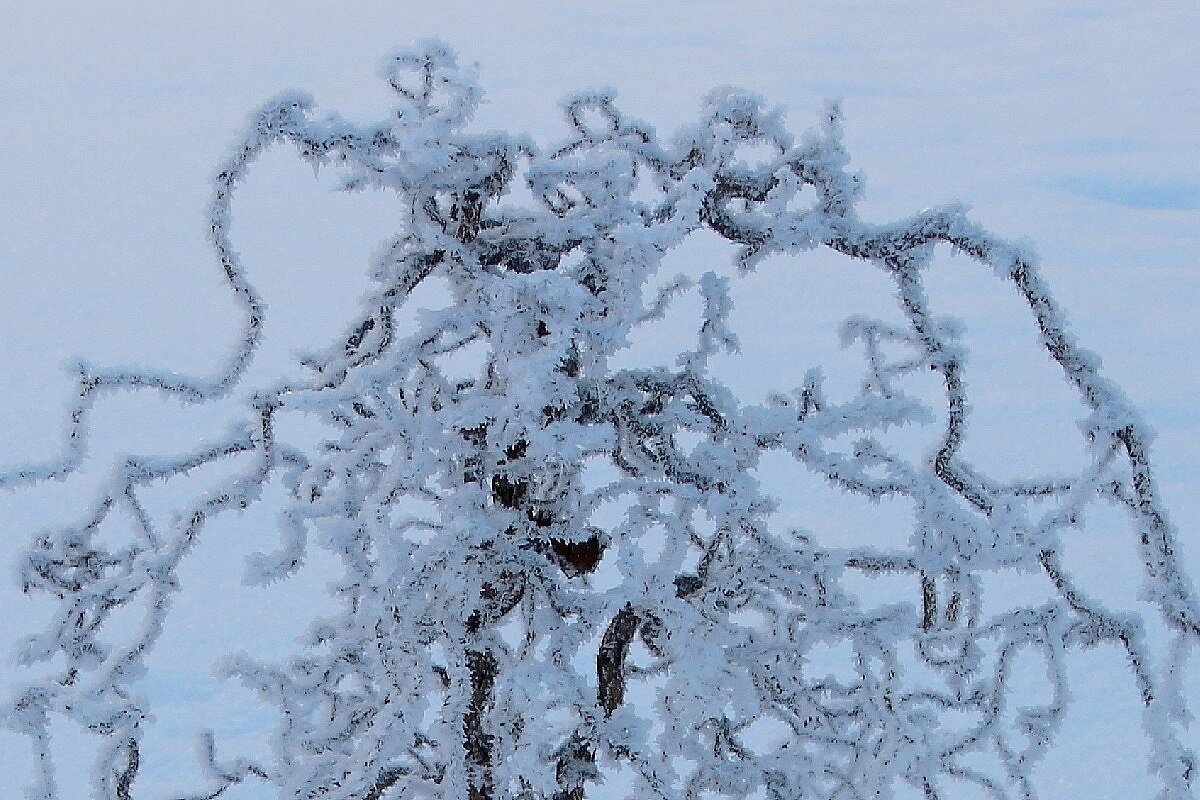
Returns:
<point x="475" y="654"/>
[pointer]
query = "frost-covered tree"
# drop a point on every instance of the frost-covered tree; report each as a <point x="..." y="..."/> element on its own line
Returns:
<point x="476" y="653"/>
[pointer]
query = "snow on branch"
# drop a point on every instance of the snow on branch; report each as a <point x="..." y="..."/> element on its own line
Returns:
<point x="476" y="652"/>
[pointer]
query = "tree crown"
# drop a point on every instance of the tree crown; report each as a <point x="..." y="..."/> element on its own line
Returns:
<point x="561" y="574"/>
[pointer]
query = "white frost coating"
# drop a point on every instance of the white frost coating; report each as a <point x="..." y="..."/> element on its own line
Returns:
<point x="475" y="654"/>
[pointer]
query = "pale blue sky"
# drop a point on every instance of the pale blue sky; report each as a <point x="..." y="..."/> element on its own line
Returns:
<point x="1166" y="194"/>
<point x="1073" y="124"/>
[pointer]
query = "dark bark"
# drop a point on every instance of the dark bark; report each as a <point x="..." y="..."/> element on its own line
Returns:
<point x="125" y="779"/>
<point x="576" y="764"/>
<point x="476" y="741"/>
<point x="610" y="660"/>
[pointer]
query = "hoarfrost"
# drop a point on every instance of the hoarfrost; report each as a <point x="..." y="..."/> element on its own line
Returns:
<point x="476" y="652"/>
